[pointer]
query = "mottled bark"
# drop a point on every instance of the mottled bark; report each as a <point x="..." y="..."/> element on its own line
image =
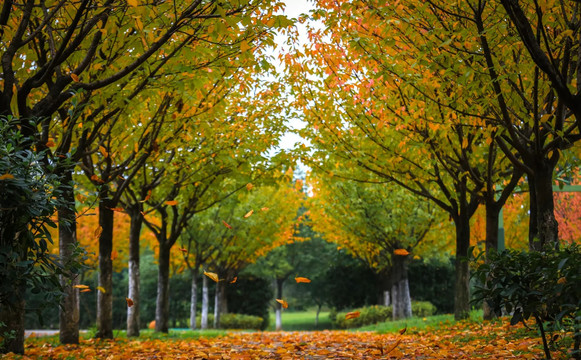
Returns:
<point x="548" y="229"/>
<point x="402" y="303"/>
<point x="133" y="321"/>
<point x="162" y="300"/>
<point x="194" y="299"/>
<point x="105" y="298"/>
<point x="205" y="303"/>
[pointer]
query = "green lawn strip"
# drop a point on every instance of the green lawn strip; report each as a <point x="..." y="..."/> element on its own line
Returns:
<point x="301" y="320"/>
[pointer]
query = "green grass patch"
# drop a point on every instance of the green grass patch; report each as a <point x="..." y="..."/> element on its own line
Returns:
<point x="303" y="320"/>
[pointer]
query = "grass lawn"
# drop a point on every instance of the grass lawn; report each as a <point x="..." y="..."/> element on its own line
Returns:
<point x="303" y="320"/>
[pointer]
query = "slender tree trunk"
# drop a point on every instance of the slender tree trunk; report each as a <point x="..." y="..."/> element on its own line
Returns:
<point x="69" y="309"/>
<point x="133" y="323"/>
<point x="194" y="298"/>
<point x="278" y="312"/>
<point x="402" y="303"/>
<point x="533" y="218"/>
<point x="205" y="303"/>
<point x="319" y="306"/>
<point x="492" y="214"/>
<point x="217" y="306"/>
<point x="105" y="298"/>
<point x="162" y="301"/>
<point x="12" y="315"/>
<point x="462" y="284"/>
<point x="548" y="228"/>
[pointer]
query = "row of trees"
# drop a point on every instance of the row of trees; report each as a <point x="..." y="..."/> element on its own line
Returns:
<point x="458" y="103"/>
<point x="154" y="109"/>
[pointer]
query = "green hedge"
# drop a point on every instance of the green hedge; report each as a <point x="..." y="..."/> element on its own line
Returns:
<point x="234" y="321"/>
<point x="376" y="314"/>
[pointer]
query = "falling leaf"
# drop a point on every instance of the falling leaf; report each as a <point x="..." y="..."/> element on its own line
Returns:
<point x="118" y="209"/>
<point x="264" y="209"/>
<point x="151" y="325"/>
<point x="75" y="77"/>
<point x="212" y="276"/>
<point x="402" y="331"/>
<point x="562" y="280"/>
<point x="101" y="289"/>
<point x="226" y="224"/>
<point x="183" y="250"/>
<point x="300" y="279"/>
<point x="132" y="3"/>
<point x="85" y="290"/>
<point x="248" y="214"/>
<point x="352" y="315"/>
<point x="171" y="202"/>
<point x="7" y="177"/>
<point x="81" y="286"/>
<point x="417" y="257"/>
<point x="147" y="197"/>
<point x="234" y="280"/>
<point x="393" y="347"/>
<point x="283" y="303"/>
<point x="114" y="254"/>
<point x="249" y="186"/>
<point x="401" y="252"/>
<point x="50" y="143"/>
<point x="129" y="302"/>
<point x="98" y="232"/>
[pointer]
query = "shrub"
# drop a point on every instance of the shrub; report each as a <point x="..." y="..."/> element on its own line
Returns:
<point x="376" y="314"/>
<point x="544" y="285"/>
<point x="240" y="321"/>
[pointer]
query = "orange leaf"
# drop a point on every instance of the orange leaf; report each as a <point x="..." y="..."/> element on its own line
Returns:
<point x="283" y="303"/>
<point x="562" y="280"/>
<point x="300" y="279"/>
<point x="352" y="315"/>
<point x="103" y="151"/>
<point x="401" y="252"/>
<point x="226" y="224"/>
<point x="114" y="254"/>
<point x="248" y="214"/>
<point x="183" y="250"/>
<point x="147" y="197"/>
<point x="132" y="3"/>
<point x="234" y="280"/>
<point x="85" y="290"/>
<point x="75" y="77"/>
<point x="212" y="276"/>
<point x="151" y="325"/>
<point x="50" y="143"/>
<point x="402" y="331"/>
<point x="118" y="209"/>
<point x="96" y="179"/>
<point x="264" y="209"/>
<point x="81" y="286"/>
<point x="7" y="177"/>
<point x="171" y="202"/>
<point x="129" y="302"/>
<point x="249" y="186"/>
<point x="393" y="347"/>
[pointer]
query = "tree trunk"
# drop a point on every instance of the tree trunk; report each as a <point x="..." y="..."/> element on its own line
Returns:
<point x="533" y="218"/>
<point x="194" y="298"/>
<point x="319" y="306"/>
<point x="105" y="298"/>
<point x="402" y="303"/>
<point x="462" y="284"/>
<point x="133" y="323"/>
<point x="278" y="313"/>
<point x="547" y="235"/>
<point x="492" y="214"/>
<point x="69" y="309"/>
<point x="205" y="303"/>
<point x="217" y="306"/>
<point x="12" y="315"/>
<point x="162" y="301"/>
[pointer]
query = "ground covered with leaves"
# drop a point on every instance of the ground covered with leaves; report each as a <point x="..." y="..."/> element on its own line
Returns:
<point x="454" y="341"/>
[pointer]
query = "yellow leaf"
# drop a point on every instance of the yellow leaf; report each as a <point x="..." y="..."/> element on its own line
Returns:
<point x="300" y="279"/>
<point x="81" y="286"/>
<point x="7" y="177"/>
<point x="283" y="303"/>
<point x="101" y="289"/>
<point x="171" y="202"/>
<point x="103" y="151"/>
<point x="98" y="232"/>
<point x="244" y="46"/>
<point x="352" y="315"/>
<point x="129" y="302"/>
<point x="212" y="276"/>
<point x="248" y="214"/>
<point x="132" y="3"/>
